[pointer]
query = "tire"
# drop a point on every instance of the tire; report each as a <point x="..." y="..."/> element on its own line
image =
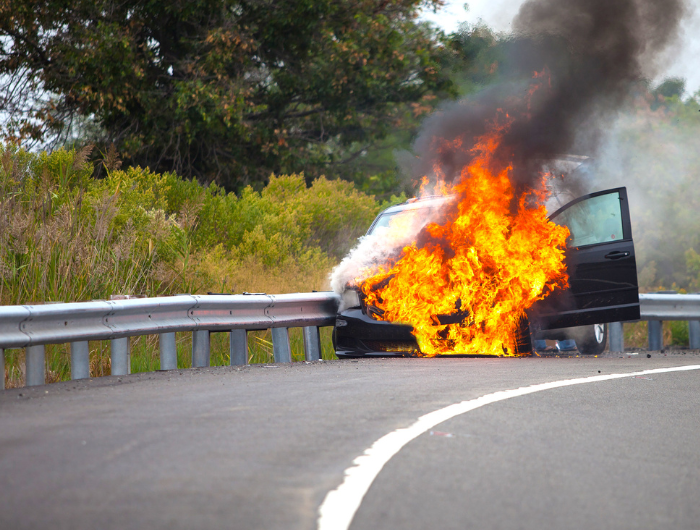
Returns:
<point x="523" y="338"/>
<point x="592" y="339"/>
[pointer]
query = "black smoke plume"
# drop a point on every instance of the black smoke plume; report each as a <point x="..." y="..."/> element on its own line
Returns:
<point x="587" y="55"/>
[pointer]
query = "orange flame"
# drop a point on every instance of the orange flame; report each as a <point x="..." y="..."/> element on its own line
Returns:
<point x="485" y="264"/>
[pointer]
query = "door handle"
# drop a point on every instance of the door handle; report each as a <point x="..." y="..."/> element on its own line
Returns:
<point x="617" y="255"/>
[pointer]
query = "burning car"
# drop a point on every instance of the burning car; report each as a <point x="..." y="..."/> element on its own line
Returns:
<point x="602" y="284"/>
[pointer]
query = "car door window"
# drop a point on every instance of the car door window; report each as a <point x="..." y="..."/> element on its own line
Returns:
<point x="593" y="220"/>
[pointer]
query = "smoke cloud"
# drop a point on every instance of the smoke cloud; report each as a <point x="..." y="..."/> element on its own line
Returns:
<point x="587" y="53"/>
<point x="383" y="246"/>
<point x="656" y="155"/>
<point x="570" y="68"/>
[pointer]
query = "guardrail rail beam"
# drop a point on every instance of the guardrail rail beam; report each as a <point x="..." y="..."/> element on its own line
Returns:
<point x="76" y="323"/>
<point x="33" y="326"/>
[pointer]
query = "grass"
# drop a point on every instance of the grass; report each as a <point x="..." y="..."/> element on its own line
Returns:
<point x="66" y="237"/>
<point x="674" y="333"/>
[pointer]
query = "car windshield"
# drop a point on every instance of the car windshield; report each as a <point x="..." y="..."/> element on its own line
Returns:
<point x="412" y="220"/>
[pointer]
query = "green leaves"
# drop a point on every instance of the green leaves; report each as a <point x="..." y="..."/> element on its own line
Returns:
<point x="227" y="91"/>
<point x="66" y="236"/>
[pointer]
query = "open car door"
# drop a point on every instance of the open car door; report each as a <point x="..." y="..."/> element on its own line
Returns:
<point x="600" y="262"/>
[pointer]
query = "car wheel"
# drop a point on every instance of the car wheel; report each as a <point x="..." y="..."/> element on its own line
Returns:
<point x="523" y="339"/>
<point x="593" y="339"/>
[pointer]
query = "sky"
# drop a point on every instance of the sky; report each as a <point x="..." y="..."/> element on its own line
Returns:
<point x="682" y="60"/>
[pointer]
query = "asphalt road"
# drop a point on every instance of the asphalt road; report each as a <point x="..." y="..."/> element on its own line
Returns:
<point x="261" y="447"/>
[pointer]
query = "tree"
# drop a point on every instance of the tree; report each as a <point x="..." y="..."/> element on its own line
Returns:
<point x="473" y="62"/>
<point x="478" y="55"/>
<point x="223" y="90"/>
<point x="672" y="86"/>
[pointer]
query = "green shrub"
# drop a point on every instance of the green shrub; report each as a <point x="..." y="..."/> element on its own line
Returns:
<point x="60" y="241"/>
<point x="65" y="236"/>
<point x="680" y="334"/>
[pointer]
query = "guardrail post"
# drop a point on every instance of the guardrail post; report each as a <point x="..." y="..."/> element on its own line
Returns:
<point x="655" y="336"/>
<point x="2" y="369"/>
<point x="617" y="338"/>
<point x="694" y="334"/>
<point x="35" y="364"/>
<point x="280" y="345"/>
<point x="168" y="351"/>
<point x="312" y="343"/>
<point x="79" y="360"/>
<point x="200" y="348"/>
<point x="239" y="347"/>
<point x="121" y="356"/>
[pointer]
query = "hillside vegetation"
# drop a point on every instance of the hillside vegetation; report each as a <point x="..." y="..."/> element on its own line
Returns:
<point x="296" y="89"/>
<point x="65" y="236"/>
<point x="654" y="150"/>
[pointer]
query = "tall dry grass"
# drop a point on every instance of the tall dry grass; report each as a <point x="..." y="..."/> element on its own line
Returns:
<point x="51" y="251"/>
<point x="65" y="236"/>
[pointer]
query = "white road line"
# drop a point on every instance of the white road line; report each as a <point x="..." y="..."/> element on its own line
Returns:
<point x="339" y="506"/>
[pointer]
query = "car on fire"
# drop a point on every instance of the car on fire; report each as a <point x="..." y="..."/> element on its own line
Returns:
<point x="603" y="287"/>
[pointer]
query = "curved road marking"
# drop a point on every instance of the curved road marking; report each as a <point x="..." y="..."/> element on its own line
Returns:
<point x="339" y="506"/>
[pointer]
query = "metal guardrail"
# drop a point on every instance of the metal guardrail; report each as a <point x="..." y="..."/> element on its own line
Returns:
<point x="34" y="326"/>
<point x="657" y="307"/>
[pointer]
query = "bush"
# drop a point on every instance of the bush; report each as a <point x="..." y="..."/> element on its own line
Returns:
<point x="61" y="241"/>
<point x="67" y="237"/>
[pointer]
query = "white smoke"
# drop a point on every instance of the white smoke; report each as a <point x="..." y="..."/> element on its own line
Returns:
<point x="383" y="246"/>
<point x="656" y="155"/>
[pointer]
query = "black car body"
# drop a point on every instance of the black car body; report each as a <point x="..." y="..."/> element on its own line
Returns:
<point x="602" y="272"/>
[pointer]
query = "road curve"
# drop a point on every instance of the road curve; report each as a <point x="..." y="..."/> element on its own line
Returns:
<point x="261" y="447"/>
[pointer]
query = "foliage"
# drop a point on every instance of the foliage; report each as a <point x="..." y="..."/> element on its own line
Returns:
<point x="57" y="242"/>
<point x="680" y="333"/>
<point x="478" y="57"/>
<point x="474" y="59"/>
<point x="67" y="237"/>
<point x="221" y="90"/>
<point x="673" y="86"/>
<point x="673" y="333"/>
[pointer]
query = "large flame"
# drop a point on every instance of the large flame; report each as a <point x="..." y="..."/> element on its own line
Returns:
<point x="465" y="288"/>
